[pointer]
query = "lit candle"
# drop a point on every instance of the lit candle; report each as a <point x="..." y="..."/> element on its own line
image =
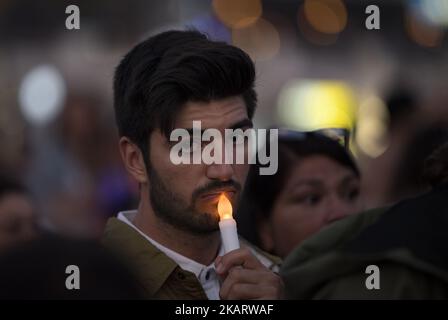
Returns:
<point x="227" y="225"/>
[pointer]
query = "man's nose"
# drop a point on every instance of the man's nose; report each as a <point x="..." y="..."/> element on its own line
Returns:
<point x="221" y="172"/>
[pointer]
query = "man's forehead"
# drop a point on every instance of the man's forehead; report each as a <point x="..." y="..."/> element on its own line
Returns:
<point x="213" y="114"/>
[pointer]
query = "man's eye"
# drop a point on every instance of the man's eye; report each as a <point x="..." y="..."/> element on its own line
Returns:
<point x="190" y="146"/>
<point x="238" y="138"/>
<point x="194" y="146"/>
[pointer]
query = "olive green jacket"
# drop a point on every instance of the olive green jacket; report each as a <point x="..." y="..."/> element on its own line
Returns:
<point x="159" y="276"/>
<point x="408" y="242"/>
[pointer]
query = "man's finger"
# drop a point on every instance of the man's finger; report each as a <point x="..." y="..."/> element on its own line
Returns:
<point x="261" y="279"/>
<point x="240" y="257"/>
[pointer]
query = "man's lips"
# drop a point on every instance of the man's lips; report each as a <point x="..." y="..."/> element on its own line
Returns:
<point x="230" y="193"/>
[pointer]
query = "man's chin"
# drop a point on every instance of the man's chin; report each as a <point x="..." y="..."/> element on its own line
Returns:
<point x="204" y="223"/>
<point x="202" y="230"/>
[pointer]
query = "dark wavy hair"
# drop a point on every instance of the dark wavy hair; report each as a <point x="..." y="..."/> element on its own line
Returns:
<point x="159" y="75"/>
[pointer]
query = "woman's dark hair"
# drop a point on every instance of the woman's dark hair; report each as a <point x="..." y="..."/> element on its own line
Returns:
<point x="261" y="191"/>
<point x="162" y="73"/>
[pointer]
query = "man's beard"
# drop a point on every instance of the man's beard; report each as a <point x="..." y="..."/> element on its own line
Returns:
<point x="170" y="208"/>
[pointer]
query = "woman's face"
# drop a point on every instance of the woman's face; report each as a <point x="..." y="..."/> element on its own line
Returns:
<point x="317" y="192"/>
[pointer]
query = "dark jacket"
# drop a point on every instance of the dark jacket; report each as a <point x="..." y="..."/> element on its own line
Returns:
<point x="408" y="242"/>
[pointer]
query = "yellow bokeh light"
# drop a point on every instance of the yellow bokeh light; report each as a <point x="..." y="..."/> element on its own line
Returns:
<point x="310" y="105"/>
<point x="371" y="128"/>
<point x="237" y="13"/>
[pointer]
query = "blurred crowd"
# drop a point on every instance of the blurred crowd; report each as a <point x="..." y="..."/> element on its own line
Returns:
<point x="69" y="178"/>
<point x="65" y="176"/>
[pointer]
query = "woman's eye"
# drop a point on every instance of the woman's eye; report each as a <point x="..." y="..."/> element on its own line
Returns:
<point x="310" y="200"/>
<point x="352" y="195"/>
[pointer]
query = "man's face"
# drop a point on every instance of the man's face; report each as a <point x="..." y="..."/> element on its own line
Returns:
<point x="186" y="195"/>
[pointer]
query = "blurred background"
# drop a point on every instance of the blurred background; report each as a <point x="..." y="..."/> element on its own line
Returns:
<point x="318" y="67"/>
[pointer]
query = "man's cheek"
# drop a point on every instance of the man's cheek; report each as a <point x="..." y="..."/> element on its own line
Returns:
<point x="242" y="170"/>
<point x="181" y="184"/>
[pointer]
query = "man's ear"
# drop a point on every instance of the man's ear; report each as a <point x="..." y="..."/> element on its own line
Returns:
<point x="133" y="159"/>
<point x="265" y="234"/>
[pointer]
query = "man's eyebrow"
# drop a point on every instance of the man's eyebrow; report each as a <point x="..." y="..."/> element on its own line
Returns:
<point x="190" y="131"/>
<point x="240" y="124"/>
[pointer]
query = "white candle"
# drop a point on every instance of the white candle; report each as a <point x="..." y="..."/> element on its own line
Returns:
<point x="227" y="225"/>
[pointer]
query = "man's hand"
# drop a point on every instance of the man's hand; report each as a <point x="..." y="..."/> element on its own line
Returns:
<point x="246" y="278"/>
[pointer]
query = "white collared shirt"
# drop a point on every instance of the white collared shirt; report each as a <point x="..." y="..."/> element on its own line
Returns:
<point x="206" y="275"/>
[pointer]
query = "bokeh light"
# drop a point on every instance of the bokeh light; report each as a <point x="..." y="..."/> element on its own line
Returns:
<point x="422" y="31"/>
<point x="326" y="16"/>
<point x="237" y="13"/>
<point x="311" y="34"/>
<point x="42" y="94"/>
<point x="260" y="40"/>
<point x="434" y="11"/>
<point x="317" y="104"/>
<point x="371" y="127"/>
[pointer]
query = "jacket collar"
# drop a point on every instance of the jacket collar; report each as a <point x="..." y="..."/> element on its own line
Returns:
<point x="153" y="267"/>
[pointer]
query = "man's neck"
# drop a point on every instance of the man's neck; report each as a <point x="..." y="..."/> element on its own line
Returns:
<point x="200" y="248"/>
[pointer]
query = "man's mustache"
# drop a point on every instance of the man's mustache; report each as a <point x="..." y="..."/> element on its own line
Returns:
<point x="216" y="185"/>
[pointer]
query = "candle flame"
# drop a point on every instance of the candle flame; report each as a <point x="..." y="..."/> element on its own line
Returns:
<point x="224" y="207"/>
